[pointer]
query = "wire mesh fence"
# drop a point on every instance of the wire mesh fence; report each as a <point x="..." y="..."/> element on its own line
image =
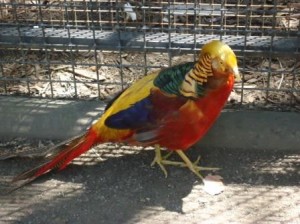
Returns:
<point x="93" y="49"/>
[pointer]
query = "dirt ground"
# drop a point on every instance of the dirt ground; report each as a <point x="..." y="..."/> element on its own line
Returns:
<point x="110" y="184"/>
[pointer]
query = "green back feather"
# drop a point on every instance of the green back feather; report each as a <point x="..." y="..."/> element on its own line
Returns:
<point x="169" y="80"/>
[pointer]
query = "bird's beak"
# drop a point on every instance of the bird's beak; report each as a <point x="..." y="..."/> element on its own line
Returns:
<point x="236" y="73"/>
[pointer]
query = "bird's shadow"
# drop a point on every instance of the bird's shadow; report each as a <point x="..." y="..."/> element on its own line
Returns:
<point x="123" y="186"/>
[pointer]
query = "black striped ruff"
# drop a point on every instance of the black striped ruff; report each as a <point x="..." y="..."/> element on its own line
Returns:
<point x="197" y="76"/>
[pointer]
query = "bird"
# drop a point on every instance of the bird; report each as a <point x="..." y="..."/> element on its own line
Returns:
<point x="171" y="108"/>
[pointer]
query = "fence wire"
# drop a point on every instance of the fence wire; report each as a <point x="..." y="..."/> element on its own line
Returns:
<point x="93" y="49"/>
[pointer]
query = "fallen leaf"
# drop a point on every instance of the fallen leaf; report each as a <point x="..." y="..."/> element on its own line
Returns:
<point x="213" y="184"/>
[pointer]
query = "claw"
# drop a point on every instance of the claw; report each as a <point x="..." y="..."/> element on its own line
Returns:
<point x="189" y="164"/>
<point x="162" y="160"/>
<point x="159" y="160"/>
<point x="193" y="166"/>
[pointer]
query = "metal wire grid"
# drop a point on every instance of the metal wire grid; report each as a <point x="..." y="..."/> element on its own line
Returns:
<point x="213" y="15"/>
<point x="173" y="28"/>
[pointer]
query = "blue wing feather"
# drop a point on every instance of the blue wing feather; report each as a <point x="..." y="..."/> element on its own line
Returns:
<point x="134" y="117"/>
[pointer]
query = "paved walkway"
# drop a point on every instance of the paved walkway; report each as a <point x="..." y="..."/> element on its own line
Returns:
<point x="110" y="184"/>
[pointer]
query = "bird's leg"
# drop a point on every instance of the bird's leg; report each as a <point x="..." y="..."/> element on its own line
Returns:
<point x="167" y="155"/>
<point x="193" y="165"/>
<point x="162" y="160"/>
<point x="158" y="159"/>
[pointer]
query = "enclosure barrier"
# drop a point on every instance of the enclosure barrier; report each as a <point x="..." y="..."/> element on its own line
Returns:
<point x="92" y="49"/>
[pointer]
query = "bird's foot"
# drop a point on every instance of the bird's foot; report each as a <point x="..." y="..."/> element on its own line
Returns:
<point x="160" y="160"/>
<point x="193" y="165"/>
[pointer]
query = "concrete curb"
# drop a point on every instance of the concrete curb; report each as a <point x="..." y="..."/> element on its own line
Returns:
<point x="61" y="119"/>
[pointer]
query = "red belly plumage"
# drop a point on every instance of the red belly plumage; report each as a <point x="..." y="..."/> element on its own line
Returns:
<point x="193" y="120"/>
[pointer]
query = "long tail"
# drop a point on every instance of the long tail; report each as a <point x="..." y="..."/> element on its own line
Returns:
<point x="58" y="157"/>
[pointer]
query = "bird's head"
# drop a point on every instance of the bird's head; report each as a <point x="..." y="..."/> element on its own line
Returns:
<point x="223" y="59"/>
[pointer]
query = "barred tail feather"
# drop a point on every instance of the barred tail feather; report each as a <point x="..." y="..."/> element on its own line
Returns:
<point x="59" y="156"/>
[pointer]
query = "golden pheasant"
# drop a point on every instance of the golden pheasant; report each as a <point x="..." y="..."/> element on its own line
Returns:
<point x="171" y="108"/>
